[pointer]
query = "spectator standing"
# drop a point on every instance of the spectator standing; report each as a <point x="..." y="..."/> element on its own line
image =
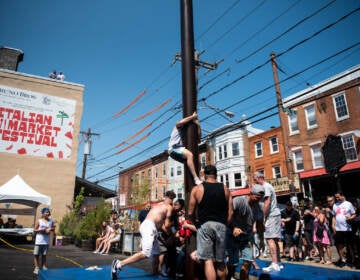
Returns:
<point x="291" y="221"/>
<point x="272" y="221"/>
<point x="214" y="207"/>
<point x="60" y="76"/>
<point x="246" y="214"/>
<point x="158" y="216"/>
<point x="308" y="229"/>
<point x="177" y="151"/>
<point x="321" y="237"/>
<point x="42" y="229"/>
<point x="344" y="213"/>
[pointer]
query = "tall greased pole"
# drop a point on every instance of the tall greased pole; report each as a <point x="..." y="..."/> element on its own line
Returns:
<point x="189" y="98"/>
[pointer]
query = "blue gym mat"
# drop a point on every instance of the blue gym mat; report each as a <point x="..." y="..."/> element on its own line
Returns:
<point x="290" y="271"/>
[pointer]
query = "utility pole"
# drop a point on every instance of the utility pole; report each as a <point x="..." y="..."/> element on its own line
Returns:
<point x="282" y="116"/>
<point x="87" y="148"/>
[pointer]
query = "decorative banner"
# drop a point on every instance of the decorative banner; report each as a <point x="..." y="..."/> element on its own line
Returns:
<point x="35" y="124"/>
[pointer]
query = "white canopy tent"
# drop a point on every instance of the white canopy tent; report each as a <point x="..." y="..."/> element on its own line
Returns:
<point x="16" y="190"/>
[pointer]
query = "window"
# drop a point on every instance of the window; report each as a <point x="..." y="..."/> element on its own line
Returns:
<point x="293" y="121"/>
<point x="341" y="108"/>
<point x="163" y="191"/>
<point x="276" y="171"/>
<point x="172" y="172"/>
<point x="274" y="146"/>
<point x="149" y="172"/>
<point x="164" y="169"/>
<point x="310" y="116"/>
<point x="316" y="154"/>
<point x="220" y="152"/>
<point x="156" y="193"/>
<point x="349" y="147"/>
<point x="178" y="170"/>
<point x="222" y="179"/>
<point x="225" y="151"/>
<point x="179" y="193"/>
<point x="156" y="172"/>
<point x="258" y="149"/>
<point x="227" y="180"/>
<point x="235" y="149"/>
<point x="299" y="163"/>
<point x="142" y="176"/>
<point x="203" y="161"/>
<point x="237" y="179"/>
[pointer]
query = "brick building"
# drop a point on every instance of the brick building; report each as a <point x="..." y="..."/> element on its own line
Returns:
<point x="331" y="107"/>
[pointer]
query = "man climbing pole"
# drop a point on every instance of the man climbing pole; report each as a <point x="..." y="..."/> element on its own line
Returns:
<point x="177" y="151"/>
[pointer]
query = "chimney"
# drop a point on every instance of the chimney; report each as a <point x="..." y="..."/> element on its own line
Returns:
<point x="10" y="58"/>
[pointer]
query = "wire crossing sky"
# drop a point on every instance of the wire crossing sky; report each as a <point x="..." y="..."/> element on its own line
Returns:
<point x="124" y="53"/>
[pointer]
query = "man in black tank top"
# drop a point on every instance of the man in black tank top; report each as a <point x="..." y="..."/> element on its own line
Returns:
<point x="214" y="204"/>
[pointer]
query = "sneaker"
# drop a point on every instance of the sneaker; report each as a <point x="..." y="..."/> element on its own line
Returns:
<point x="272" y="267"/>
<point x="44" y="268"/>
<point x="198" y="181"/>
<point x="96" y="252"/>
<point x="281" y="266"/>
<point x="104" y="254"/>
<point x="36" y="270"/>
<point x="114" y="268"/>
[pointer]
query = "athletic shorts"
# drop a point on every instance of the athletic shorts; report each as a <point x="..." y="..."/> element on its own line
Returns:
<point x="41" y="250"/>
<point x="211" y="241"/>
<point x="177" y="154"/>
<point x="273" y="227"/>
<point x="239" y="247"/>
<point x="149" y="242"/>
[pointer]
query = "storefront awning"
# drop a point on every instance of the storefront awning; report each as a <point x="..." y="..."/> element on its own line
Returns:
<point x="322" y="171"/>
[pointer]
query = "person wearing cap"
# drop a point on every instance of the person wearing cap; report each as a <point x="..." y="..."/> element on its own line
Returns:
<point x="214" y="209"/>
<point x="272" y="222"/>
<point x="177" y="151"/>
<point x="246" y="214"/>
<point x="42" y="229"/>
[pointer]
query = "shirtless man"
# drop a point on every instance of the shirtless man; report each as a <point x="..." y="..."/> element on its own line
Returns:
<point x="157" y="217"/>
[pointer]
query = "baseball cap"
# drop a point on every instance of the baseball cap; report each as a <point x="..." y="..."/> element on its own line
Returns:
<point x="258" y="189"/>
<point x="44" y="210"/>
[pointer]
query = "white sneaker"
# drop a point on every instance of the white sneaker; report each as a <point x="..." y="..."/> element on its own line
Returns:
<point x="198" y="181"/>
<point x="281" y="265"/>
<point x="36" y="270"/>
<point x="272" y="267"/>
<point x="96" y="252"/>
<point x="115" y="266"/>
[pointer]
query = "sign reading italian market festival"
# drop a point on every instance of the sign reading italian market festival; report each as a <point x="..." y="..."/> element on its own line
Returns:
<point x="35" y="124"/>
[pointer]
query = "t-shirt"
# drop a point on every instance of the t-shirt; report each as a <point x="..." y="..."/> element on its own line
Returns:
<point x="244" y="215"/>
<point x="43" y="238"/>
<point x="291" y="225"/>
<point x="341" y="210"/>
<point x="270" y="192"/>
<point x="175" y="138"/>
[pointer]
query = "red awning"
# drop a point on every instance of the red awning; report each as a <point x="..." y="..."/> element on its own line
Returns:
<point x="322" y="171"/>
<point x="242" y="191"/>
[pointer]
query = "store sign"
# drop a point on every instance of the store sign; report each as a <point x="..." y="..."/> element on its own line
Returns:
<point x="36" y="124"/>
<point x="282" y="185"/>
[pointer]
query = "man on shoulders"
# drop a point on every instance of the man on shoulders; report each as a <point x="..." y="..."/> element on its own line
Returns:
<point x="214" y="205"/>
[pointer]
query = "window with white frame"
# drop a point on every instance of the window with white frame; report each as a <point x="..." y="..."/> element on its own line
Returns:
<point x="310" y="116"/>
<point x="316" y="155"/>
<point x="156" y="172"/>
<point x="220" y="152"/>
<point x="156" y="193"/>
<point x="203" y="161"/>
<point x="258" y="149"/>
<point x="235" y="149"/>
<point x="179" y="193"/>
<point x="227" y="180"/>
<point x="340" y="105"/>
<point x="163" y="191"/>
<point x="293" y="122"/>
<point x="276" y="171"/>
<point x="349" y="147"/>
<point x="164" y="169"/>
<point x="172" y="172"/>
<point x="237" y="180"/>
<point x="274" y="145"/>
<point x="178" y="170"/>
<point x="298" y="160"/>
<point x="222" y="179"/>
<point x="225" y="151"/>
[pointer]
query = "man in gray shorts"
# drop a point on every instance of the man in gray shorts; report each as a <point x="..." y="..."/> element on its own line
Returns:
<point x="272" y="222"/>
<point x="214" y="205"/>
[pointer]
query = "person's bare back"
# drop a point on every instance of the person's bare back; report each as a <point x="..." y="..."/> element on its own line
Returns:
<point x="159" y="213"/>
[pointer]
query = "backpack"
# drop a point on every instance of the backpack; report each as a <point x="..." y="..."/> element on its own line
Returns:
<point x="320" y="231"/>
